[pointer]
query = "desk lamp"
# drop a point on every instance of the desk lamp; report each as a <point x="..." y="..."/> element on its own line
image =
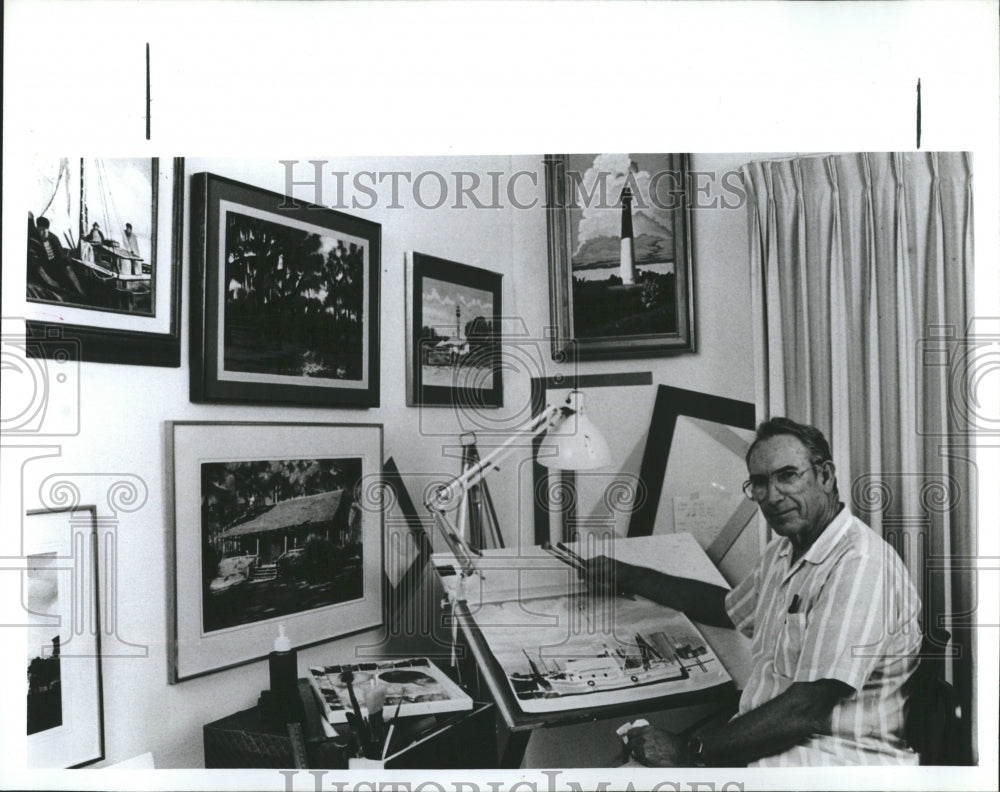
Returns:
<point x="568" y="445"/>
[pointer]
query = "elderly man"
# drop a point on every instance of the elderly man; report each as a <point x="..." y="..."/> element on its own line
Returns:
<point x="832" y="614"/>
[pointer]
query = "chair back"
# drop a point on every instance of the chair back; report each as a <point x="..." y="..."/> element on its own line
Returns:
<point x="933" y="710"/>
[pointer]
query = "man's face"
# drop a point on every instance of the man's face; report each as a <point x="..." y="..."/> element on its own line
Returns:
<point x="802" y="507"/>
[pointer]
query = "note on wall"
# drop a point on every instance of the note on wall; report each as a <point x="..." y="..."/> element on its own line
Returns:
<point x="698" y="516"/>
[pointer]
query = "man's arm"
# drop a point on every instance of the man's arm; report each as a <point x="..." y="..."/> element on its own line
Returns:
<point x="703" y="602"/>
<point x="775" y="726"/>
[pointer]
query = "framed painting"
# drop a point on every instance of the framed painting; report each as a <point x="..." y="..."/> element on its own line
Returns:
<point x="103" y="259"/>
<point x="284" y="299"/>
<point x="269" y="528"/>
<point x="620" y="273"/>
<point x="454" y="335"/>
<point x="65" y="720"/>
<point x="693" y="467"/>
<point x="568" y="505"/>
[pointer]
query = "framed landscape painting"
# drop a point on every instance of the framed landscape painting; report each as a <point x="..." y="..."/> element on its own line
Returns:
<point x="65" y="718"/>
<point x="103" y="258"/>
<point x="454" y="335"/>
<point x="270" y="528"/>
<point x="284" y="299"/>
<point x="620" y="274"/>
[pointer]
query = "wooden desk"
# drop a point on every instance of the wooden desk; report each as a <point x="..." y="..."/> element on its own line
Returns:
<point x="508" y="569"/>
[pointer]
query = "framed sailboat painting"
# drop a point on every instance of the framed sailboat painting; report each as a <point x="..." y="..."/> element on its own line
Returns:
<point x="102" y="278"/>
<point x="620" y="274"/>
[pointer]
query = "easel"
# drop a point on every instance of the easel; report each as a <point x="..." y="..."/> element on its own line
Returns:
<point x="477" y="517"/>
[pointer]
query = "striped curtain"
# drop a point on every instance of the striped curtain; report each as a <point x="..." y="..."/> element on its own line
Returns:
<point x="862" y="292"/>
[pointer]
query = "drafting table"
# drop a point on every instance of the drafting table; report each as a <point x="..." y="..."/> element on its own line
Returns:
<point x="507" y="571"/>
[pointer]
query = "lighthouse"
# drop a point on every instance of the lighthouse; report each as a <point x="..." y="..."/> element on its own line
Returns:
<point x="627" y="266"/>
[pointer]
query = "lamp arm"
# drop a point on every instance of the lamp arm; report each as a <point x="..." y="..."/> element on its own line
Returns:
<point x="439" y="500"/>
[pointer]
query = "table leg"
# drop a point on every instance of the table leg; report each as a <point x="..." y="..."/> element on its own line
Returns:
<point x="513" y="751"/>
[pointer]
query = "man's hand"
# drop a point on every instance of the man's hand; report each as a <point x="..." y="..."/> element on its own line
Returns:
<point x="605" y="575"/>
<point x="703" y="602"/>
<point x="658" y="747"/>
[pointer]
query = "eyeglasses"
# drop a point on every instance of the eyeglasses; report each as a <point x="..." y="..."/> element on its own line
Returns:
<point x="784" y="480"/>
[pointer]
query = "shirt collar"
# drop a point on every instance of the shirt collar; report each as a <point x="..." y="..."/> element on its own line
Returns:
<point x="827" y="540"/>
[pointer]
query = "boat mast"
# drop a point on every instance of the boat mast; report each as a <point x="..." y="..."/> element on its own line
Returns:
<point x="83" y="200"/>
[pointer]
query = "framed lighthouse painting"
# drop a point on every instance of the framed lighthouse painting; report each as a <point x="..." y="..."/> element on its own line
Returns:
<point x="453" y="334"/>
<point x="620" y="273"/>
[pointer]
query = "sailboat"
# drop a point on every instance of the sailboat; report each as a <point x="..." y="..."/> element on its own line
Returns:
<point x="654" y="659"/>
<point x="100" y="259"/>
<point x="104" y="263"/>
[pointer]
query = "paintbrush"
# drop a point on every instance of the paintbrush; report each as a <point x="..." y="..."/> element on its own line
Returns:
<point x="399" y="703"/>
<point x="392" y="724"/>
<point x="566" y="559"/>
<point x="347" y="677"/>
<point x="571" y="553"/>
<point x="374" y="702"/>
<point x="575" y="560"/>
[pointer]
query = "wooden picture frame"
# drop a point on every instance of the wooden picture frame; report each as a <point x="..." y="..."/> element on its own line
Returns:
<point x="65" y="720"/>
<point x="284" y="299"/>
<point x="453" y="358"/>
<point x="110" y="298"/>
<point x="276" y="504"/>
<point x="606" y="303"/>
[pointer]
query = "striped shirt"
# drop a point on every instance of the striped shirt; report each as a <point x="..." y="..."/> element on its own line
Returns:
<point x="846" y="610"/>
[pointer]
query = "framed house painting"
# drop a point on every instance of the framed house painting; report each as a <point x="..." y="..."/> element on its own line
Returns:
<point x="65" y="720"/>
<point x="620" y="274"/>
<point x="284" y="299"/>
<point x="270" y="528"/>
<point x="453" y="335"/>
<point x="103" y="259"/>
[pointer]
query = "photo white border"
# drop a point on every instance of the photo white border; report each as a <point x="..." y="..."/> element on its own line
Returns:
<point x="757" y="77"/>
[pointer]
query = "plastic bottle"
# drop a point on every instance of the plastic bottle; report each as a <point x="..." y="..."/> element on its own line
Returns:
<point x="283" y="667"/>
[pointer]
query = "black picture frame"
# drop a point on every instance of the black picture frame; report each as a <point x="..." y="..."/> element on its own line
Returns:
<point x="301" y="328"/>
<point x="462" y="370"/>
<point x="670" y="404"/>
<point x="98" y="336"/>
<point x="658" y="305"/>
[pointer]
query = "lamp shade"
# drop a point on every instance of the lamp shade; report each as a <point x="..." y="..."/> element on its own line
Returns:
<point x="575" y="443"/>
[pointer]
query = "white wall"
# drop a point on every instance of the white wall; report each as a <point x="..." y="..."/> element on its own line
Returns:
<point x="124" y="410"/>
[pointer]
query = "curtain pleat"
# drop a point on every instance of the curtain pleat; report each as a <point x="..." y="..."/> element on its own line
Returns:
<point x="861" y="268"/>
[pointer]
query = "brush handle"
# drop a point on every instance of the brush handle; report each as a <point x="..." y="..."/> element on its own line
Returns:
<point x="362" y="725"/>
<point x="568" y="560"/>
<point x="571" y="553"/>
